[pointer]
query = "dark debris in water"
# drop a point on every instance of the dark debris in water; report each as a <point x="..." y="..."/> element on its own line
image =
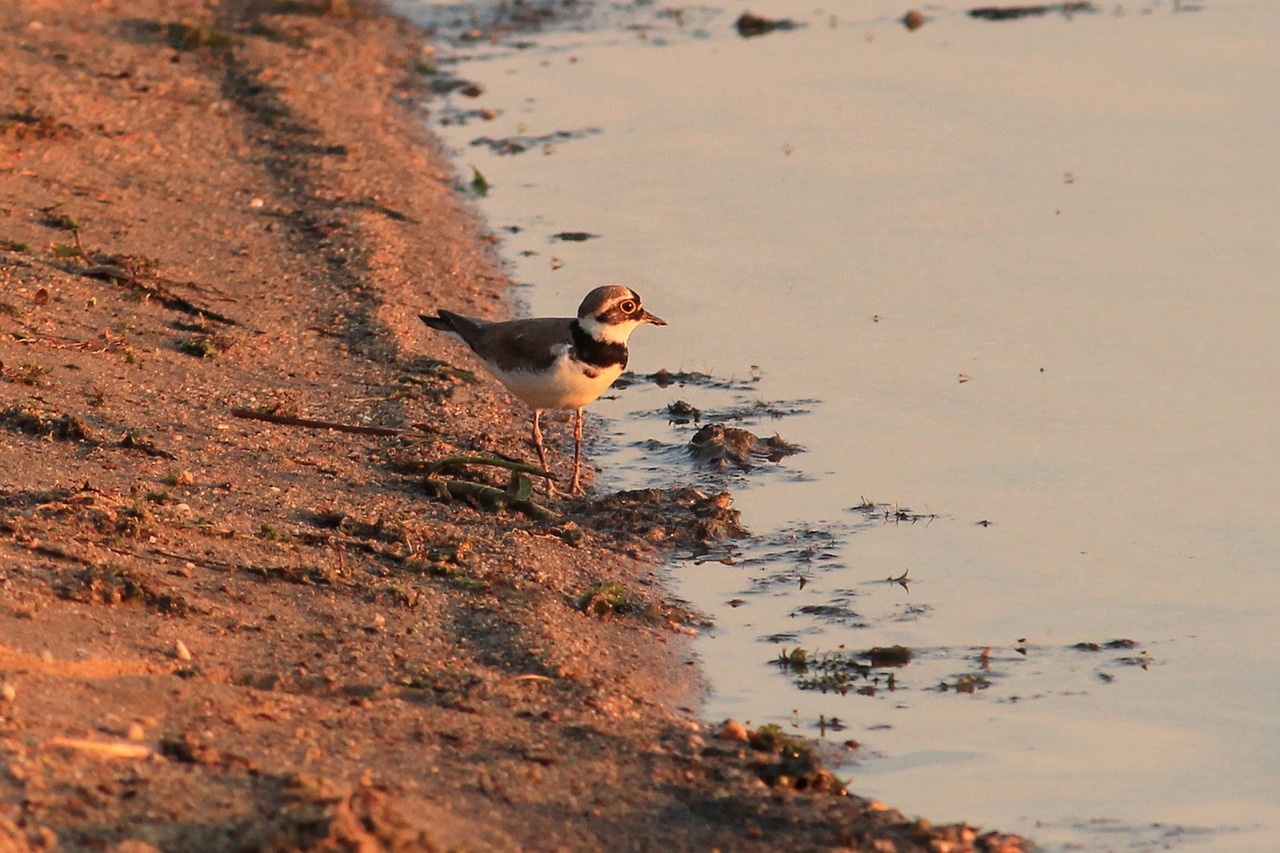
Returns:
<point x="681" y="412"/>
<point x="749" y="25"/>
<point x="968" y="683"/>
<point x="1151" y="836"/>
<point x="1010" y="13"/>
<point x="762" y="409"/>
<point x="799" y="549"/>
<point x="721" y="446"/>
<point x="520" y="144"/>
<point x="666" y="378"/>
<point x="505" y="21"/>
<point x="835" y="672"/>
<point x="1110" y="644"/>
<point x="1142" y="659"/>
<point x="443" y="84"/>
<point x="891" y="512"/>
<point x="868" y="672"/>
<point x="899" y="580"/>
<point x="840" y="613"/>
<point x="911" y="612"/>
<point x="450" y="115"/>
<point x="888" y="655"/>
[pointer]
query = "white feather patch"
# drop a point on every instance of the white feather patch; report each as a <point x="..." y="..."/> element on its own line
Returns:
<point x="611" y="333"/>
<point x="568" y="384"/>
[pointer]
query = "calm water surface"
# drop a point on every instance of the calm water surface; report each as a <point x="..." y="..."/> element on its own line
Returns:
<point x="1018" y="280"/>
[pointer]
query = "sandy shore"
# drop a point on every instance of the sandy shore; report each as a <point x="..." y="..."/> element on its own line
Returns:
<point x="226" y="633"/>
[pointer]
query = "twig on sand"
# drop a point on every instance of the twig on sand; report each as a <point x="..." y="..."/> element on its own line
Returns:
<point x="290" y="420"/>
<point x="103" y="749"/>
<point x="515" y="496"/>
<point x="125" y="274"/>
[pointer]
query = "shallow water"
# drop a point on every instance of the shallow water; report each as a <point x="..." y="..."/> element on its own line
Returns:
<point x="1012" y="283"/>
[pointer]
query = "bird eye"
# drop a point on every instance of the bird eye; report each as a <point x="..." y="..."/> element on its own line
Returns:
<point x="628" y="307"/>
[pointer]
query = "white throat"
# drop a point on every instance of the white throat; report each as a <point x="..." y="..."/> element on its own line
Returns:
<point x="610" y="333"/>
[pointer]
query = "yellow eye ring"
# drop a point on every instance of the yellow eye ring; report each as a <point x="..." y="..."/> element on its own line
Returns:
<point x="628" y="307"/>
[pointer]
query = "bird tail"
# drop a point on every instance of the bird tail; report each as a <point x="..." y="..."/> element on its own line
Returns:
<point x="439" y="322"/>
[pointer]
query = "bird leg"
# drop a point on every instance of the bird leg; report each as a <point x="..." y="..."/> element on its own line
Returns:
<point x="575" y="485"/>
<point x="542" y="453"/>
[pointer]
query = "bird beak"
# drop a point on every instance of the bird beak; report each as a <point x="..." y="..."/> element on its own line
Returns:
<point x="646" y="317"/>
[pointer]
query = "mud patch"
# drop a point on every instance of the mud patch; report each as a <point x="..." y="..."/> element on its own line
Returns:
<point x="38" y="422"/>
<point x="683" y="519"/>
<point x="720" y="446"/>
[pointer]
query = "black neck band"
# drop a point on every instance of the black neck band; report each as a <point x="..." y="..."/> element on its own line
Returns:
<point x="597" y="353"/>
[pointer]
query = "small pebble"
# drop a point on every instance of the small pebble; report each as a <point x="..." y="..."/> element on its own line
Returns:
<point x="8" y="692"/>
<point x="181" y="651"/>
<point x="733" y="730"/>
<point x="135" y="732"/>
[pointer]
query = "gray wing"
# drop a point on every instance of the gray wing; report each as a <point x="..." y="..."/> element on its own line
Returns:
<point x="513" y="344"/>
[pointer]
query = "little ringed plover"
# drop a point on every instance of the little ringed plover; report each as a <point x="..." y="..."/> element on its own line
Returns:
<point x="556" y="362"/>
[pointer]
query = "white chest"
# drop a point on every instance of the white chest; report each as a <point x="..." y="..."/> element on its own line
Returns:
<point x="568" y="384"/>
